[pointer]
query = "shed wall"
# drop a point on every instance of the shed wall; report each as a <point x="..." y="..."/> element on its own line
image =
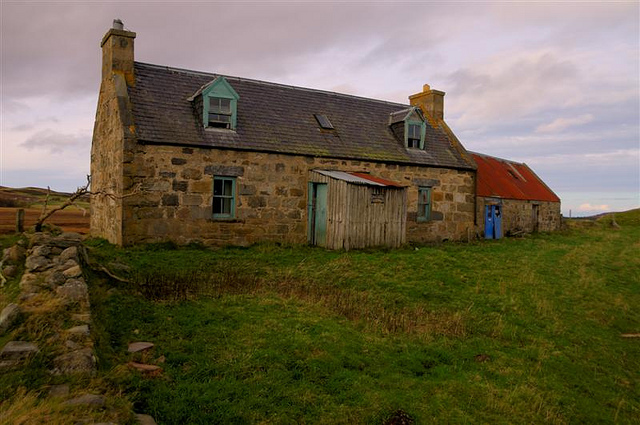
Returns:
<point x="517" y="215"/>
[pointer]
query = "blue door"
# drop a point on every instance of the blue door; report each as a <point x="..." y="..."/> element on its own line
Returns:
<point x="492" y="222"/>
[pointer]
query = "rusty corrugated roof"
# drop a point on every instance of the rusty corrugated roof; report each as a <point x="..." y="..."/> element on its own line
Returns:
<point x="358" y="178"/>
<point x="502" y="178"/>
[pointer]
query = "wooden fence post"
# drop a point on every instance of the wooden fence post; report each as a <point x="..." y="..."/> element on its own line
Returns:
<point x="20" y="220"/>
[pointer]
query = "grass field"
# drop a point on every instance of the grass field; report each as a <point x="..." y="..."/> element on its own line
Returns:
<point x="512" y="331"/>
<point x="72" y="219"/>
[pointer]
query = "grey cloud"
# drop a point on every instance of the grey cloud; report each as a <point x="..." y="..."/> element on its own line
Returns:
<point x="22" y="127"/>
<point x="56" y="142"/>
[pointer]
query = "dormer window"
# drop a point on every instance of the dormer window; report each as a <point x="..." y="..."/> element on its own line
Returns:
<point x="414" y="135"/>
<point x="409" y="126"/>
<point x="219" y="104"/>
<point x="414" y="132"/>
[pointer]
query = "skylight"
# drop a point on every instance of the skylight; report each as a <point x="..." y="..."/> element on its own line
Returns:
<point x="324" y="121"/>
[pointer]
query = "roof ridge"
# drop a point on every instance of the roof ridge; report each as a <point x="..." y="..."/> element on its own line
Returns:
<point x="496" y="157"/>
<point x="268" y="83"/>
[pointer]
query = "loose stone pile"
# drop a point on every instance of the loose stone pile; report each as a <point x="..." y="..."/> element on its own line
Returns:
<point x="52" y="268"/>
<point x="53" y="281"/>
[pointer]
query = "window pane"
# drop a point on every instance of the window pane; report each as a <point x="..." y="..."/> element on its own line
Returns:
<point x="214" y="104"/>
<point x="217" y="187"/>
<point x="226" y="205"/>
<point x="228" y="185"/>
<point x="414" y="131"/>
<point x="225" y="106"/>
<point x="217" y="205"/>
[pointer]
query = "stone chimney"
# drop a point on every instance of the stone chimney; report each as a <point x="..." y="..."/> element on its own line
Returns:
<point x="430" y="101"/>
<point x="117" y="52"/>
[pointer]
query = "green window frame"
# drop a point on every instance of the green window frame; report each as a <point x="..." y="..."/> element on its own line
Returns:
<point x="224" y="197"/>
<point x="220" y="105"/>
<point x="424" y="203"/>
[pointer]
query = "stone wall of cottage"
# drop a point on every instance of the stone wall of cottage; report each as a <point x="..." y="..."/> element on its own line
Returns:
<point x="106" y="166"/>
<point x="517" y="215"/>
<point x="175" y="192"/>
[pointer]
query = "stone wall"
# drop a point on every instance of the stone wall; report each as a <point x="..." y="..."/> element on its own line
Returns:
<point x="517" y="215"/>
<point x="106" y="166"/>
<point x="175" y="199"/>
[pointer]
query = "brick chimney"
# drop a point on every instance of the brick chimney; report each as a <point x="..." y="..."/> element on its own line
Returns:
<point x="430" y="101"/>
<point x="117" y="52"/>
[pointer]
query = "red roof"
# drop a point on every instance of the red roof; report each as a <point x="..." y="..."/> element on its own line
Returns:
<point x="374" y="179"/>
<point x="510" y="180"/>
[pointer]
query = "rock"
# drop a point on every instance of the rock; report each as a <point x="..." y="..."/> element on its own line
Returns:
<point x="72" y="272"/>
<point x="37" y="263"/>
<point x="70" y="253"/>
<point x="72" y="345"/>
<point x="10" y="271"/>
<point x="18" y="350"/>
<point x="26" y="296"/>
<point x="8" y="317"/>
<point x="30" y="283"/>
<point x="14" y="255"/>
<point x="40" y="251"/>
<point x="81" y="317"/>
<point x="89" y="400"/>
<point x="59" y="390"/>
<point x="144" y="367"/>
<point x="79" y="361"/>
<point x="82" y="330"/>
<point x="39" y="239"/>
<point x="136" y="347"/>
<point x="75" y="290"/>
<point x="55" y="278"/>
<point x="145" y="419"/>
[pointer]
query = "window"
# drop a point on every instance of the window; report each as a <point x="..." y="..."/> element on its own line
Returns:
<point x="219" y="104"/>
<point x="324" y="121"/>
<point x="424" y="204"/>
<point x="220" y="113"/>
<point x="224" y="197"/>
<point x="413" y="136"/>
<point x="414" y="132"/>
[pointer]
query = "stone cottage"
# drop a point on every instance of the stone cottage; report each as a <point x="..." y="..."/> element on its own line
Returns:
<point x="193" y="156"/>
<point x="183" y="155"/>
<point x="512" y="199"/>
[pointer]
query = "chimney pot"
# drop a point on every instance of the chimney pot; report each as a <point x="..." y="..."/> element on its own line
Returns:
<point x="426" y="88"/>
<point x="117" y="24"/>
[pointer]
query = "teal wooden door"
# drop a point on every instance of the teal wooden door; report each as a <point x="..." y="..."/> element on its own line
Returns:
<point x="318" y="214"/>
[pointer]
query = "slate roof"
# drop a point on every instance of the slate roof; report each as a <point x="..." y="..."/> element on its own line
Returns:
<point x="279" y="118"/>
<point x="502" y="178"/>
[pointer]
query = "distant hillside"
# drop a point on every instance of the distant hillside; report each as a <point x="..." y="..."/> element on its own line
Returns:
<point x="26" y="197"/>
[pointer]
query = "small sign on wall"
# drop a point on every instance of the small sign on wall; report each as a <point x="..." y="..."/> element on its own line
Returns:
<point x="377" y="197"/>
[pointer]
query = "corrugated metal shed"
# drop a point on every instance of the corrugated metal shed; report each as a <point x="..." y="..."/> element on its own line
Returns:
<point x="359" y="178"/>
<point x="501" y="178"/>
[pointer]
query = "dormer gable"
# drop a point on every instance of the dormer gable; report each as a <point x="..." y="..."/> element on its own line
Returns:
<point x="409" y="124"/>
<point x="219" y="104"/>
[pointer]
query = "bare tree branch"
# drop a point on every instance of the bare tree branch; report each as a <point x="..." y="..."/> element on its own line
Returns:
<point x="80" y="192"/>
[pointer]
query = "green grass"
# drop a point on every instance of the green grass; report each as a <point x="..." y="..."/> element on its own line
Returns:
<point x="512" y="331"/>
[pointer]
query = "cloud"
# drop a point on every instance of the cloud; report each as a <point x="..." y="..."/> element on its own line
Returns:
<point x="560" y="124"/>
<point x="588" y="207"/>
<point x="56" y="142"/>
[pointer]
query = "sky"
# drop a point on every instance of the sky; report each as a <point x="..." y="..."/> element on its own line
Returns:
<point x="554" y="85"/>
